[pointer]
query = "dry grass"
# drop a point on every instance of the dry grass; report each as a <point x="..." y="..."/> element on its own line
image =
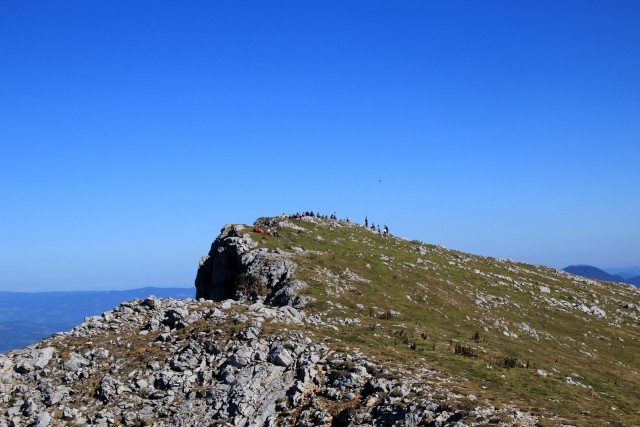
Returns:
<point x="436" y="302"/>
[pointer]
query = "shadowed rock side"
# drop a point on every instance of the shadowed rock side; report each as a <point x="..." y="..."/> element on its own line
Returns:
<point x="217" y="271"/>
<point x="236" y="269"/>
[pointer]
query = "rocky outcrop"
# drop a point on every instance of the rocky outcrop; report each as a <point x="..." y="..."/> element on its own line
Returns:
<point x="179" y="363"/>
<point x="236" y="268"/>
<point x="217" y="272"/>
<point x="245" y="353"/>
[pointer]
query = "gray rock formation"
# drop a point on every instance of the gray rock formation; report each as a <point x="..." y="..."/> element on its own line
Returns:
<point x="235" y="259"/>
<point x="245" y="354"/>
<point x="217" y="272"/>
<point x="191" y="371"/>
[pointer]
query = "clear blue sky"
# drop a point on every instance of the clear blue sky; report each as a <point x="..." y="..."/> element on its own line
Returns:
<point x="131" y="132"/>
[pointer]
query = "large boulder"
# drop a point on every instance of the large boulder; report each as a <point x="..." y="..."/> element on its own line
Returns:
<point x="235" y="263"/>
<point x="217" y="272"/>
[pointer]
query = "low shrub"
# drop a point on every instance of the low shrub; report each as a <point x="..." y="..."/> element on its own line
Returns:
<point x="465" y="350"/>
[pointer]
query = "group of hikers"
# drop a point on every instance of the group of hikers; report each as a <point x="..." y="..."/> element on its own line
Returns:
<point x="384" y="231"/>
<point x="299" y="215"/>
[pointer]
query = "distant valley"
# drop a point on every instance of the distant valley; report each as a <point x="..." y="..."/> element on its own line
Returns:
<point x="29" y="317"/>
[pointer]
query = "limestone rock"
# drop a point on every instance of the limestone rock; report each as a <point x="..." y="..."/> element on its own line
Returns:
<point x="41" y="357"/>
<point x="232" y="256"/>
<point x="75" y="362"/>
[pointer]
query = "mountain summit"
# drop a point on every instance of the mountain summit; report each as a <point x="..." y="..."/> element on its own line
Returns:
<point x="309" y="321"/>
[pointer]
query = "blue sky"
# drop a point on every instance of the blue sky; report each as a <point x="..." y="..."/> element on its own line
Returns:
<point x="131" y="132"/>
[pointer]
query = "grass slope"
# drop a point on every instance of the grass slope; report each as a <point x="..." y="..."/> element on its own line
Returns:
<point x="561" y="346"/>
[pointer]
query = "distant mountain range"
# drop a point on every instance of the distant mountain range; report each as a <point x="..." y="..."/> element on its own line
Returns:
<point x="599" y="274"/>
<point x="627" y="273"/>
<point x="27" y="317"/>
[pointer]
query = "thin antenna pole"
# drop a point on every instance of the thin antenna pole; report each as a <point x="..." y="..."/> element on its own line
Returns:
<point x="366" y="202"/>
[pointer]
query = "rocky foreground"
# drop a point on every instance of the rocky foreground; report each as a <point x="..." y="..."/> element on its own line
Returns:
<point x="250" y="352"/>
<point x="168" y="362"/>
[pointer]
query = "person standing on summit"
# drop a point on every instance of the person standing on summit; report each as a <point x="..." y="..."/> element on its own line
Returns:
<point x="366" y="222"/>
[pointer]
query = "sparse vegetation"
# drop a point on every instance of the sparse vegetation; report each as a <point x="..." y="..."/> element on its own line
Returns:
<point x="250" y="285"/>
<point x="465" y="350"/>
<point x="440" y="292"/>
<point x="507" y="362"/>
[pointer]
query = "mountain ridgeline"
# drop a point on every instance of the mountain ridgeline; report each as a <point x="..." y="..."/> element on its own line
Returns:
<point x="596" y="273"/>
<point x="333" y="324"/>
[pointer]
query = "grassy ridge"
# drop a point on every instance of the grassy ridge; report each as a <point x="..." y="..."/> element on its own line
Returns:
<point x="506" y="332"/>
